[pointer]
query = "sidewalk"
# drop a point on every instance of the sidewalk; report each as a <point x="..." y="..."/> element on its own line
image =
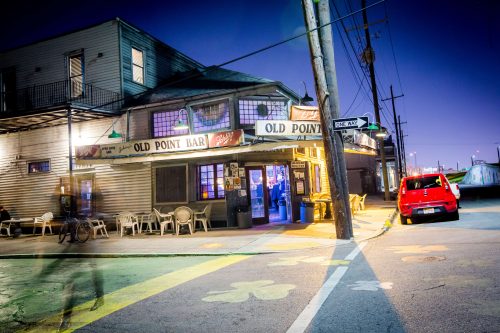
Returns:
<point x="367" y="224"/>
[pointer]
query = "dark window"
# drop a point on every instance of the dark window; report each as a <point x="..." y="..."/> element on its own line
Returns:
<point x="211" y="117"/>
<point x="164" y="122"/>
<point x="76" y="75"/>
<point x="252" y="110"/>
<point x="8" y="90"/>
<point x="39" y="166"/>
<point x="211" y="182"/>
<point x="171" y="184"/>
<point x="424" y="182"/>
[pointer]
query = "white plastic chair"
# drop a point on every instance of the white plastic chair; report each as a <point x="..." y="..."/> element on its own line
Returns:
<point x="98" y="225"/>
<point x="43" y="222"/>
<point x="148" y="219"/>
<point x="164" y="220"/>
<point x="183" y="216"/>
<point x="203" y="217"/>
<point x="6" y="226"/>
<point x="127" y="220"/>
<point x="362" y="202"/>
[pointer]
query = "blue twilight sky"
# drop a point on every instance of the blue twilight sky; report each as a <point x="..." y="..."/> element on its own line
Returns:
<point x="443" y="55"/>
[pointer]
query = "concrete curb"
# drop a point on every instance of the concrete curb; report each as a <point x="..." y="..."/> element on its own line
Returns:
<point x="387" y="225"/>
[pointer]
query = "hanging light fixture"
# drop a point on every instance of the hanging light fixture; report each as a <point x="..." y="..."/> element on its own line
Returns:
<point x="114" y="134"/>
<point x="306" y="97"/>
<point x="180" y="124"/>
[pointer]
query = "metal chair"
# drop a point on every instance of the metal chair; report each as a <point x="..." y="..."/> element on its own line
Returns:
<point x="183" y="216"/>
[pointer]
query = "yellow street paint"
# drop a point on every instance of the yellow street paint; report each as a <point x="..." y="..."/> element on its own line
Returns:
<point x="264" y="290"/>
<point x="211" y="245"/>
<point x="292" y="246"/>
<point x="416" y="249"/>
<point x="119" y="299"/>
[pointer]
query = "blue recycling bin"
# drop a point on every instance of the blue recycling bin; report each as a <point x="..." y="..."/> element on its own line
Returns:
<point x="282" y="209"/>
<point x="307" y="212"/>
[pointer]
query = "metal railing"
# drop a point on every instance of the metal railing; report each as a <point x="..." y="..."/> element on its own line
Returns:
<point x="61" y="93"/>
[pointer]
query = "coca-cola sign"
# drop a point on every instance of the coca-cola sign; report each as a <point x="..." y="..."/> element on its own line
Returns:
<point x="225" y="139"/>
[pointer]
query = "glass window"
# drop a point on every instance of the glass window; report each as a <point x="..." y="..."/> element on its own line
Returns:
<point x="39" y="166"/>
<point x="252" y="110"/>
<point x="424" y="182"/>
<point x="316" y="178"/>
<point x="211" y="117"/>
<point x="137" y="66"/>
<point x="211" y="181"/>
<point x="76" y="72"/>
<point x="164" y="122"/>
<point x="301" y="151"/>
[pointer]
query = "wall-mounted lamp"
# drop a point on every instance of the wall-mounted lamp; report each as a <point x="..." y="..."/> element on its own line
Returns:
<point x="114" y="134"/>
<point x="180" y="125"/>
<point x="306" y="97"/>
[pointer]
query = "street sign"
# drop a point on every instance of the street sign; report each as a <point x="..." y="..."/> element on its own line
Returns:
<point x="350" y="123"/>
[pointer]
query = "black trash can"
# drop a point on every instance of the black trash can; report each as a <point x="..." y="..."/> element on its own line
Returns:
<point x="307" y="212"/>
<point x="282" y="209"/>
<point x="243" y="218"/>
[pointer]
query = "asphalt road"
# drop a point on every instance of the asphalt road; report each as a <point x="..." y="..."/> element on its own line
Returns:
<point x="425" y="277"/>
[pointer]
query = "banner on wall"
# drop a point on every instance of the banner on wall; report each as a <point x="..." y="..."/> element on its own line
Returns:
<point x="161" y="145"/>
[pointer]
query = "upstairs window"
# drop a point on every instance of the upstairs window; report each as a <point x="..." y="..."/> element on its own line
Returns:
<point x="8" y="90"/>
<point x="255" y="109"/>
<point x="137" y="66"/>
<point x="211" y="117"/>
<point x="164" y="122"/>
<point x="211" y="181"/>
<point x="76" y="75"/>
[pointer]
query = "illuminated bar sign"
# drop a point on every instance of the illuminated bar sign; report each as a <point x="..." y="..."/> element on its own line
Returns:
<point x="225" y="139"/>
<point x="143" y="147"/>
<point x="287" y="128"/>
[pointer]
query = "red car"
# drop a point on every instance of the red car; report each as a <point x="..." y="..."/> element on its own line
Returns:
<point x="426" y="195"/>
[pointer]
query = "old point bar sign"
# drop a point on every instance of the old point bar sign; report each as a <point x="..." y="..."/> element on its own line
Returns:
<point x="161" y="145"/>
<point x="287" y="127"/>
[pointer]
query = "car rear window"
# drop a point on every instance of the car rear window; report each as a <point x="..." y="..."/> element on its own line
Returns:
<point x="424" y="182"/>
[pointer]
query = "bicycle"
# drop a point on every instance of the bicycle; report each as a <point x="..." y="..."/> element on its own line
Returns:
<point x="78" y="230"/>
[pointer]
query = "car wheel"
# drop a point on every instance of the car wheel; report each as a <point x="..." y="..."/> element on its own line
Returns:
<point x="455" y="216"/>
<point x="404" y="219"/>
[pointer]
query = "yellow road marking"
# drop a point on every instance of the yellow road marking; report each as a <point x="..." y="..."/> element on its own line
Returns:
<point x="119" y="299"/>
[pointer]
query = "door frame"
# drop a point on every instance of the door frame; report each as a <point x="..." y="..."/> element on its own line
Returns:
<point x="262" y="168"/>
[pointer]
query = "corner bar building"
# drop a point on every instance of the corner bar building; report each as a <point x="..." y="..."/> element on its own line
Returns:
<point x="106" y="115"/>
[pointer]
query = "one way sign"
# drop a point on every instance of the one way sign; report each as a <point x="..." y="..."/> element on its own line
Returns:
<point x="350" y="123"/>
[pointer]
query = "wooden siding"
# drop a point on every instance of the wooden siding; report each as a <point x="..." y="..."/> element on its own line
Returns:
<point x="126" y="187"/>
<point x="49" y="58"/>
<point x="320" y="160"/>
<point x="160" y="60"/>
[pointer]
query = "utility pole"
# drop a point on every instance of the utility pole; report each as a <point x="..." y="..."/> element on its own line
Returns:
<point x="328" y="106"/>
<point x="398" y="144"/>
<point x="402" y="145"/>
<point x="439" y="167"/>
<point x="369" y="58"/>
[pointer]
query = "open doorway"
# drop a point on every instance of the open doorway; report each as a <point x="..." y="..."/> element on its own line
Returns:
<point x="278" y="188"/>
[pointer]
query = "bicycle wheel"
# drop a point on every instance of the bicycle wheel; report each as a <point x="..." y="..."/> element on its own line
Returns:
<point x="83" y="231"/>
<point x="63" y="232"/>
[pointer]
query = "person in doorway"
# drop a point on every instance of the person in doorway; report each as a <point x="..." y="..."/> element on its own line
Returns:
<point x="275" y="194"/>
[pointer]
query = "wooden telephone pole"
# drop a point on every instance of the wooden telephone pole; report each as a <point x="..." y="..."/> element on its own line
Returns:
<point x="327" y="95"/>
<point x="369" y="57"/>
<point x="398" y="138"/>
